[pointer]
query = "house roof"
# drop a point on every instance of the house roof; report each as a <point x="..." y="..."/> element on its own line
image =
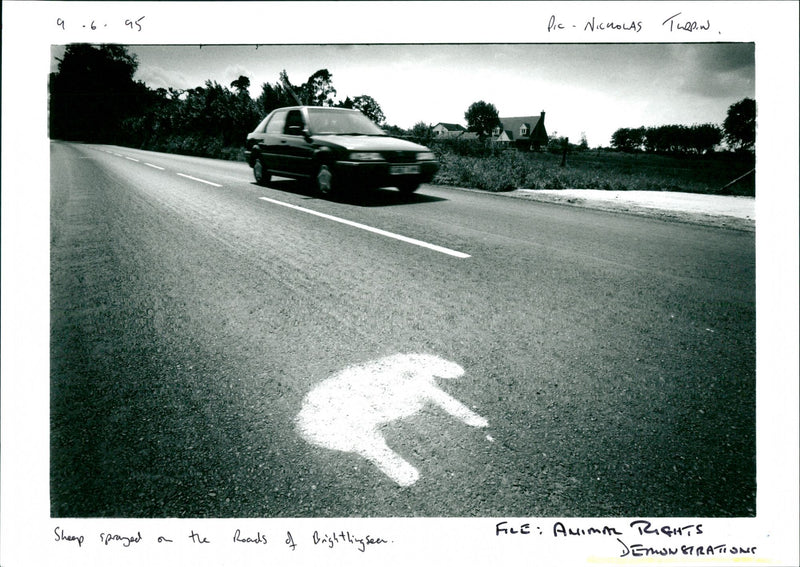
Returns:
<point x="452" y="127"/>
<point x="514" y="123"/>
<point x="511" y="126"/>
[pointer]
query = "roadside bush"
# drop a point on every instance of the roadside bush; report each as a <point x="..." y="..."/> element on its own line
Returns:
<point x="461" y="147"/>
<point x="200" y="146"/>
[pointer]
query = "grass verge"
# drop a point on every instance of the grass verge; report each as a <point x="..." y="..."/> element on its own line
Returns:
<point x="598" y="169"/>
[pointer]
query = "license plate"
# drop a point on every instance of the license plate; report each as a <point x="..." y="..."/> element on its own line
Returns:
<point x="403" y="169"/>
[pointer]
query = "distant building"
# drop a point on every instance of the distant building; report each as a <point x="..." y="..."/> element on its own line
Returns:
<point x="522" y="132"/>
<point x="446" y="130"/>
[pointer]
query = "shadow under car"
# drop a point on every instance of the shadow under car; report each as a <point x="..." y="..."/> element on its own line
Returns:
<point x="382" y="197"/>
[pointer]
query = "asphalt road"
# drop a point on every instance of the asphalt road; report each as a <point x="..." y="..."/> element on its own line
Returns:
<point x="602" y="364"/>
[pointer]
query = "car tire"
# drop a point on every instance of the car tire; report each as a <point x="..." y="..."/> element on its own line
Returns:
<point x="261" y="175"/>
<point x="324" y="180"/>
<point x="408" y="187"/>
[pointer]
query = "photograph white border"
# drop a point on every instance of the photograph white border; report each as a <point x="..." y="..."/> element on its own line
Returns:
<point x="29" y="30"/>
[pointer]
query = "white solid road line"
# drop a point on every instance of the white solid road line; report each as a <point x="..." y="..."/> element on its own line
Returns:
<point x="400" y="237"/>
<point x="200" y="180"/>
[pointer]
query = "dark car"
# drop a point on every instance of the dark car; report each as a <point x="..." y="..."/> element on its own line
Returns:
<point x="336" y="148"/>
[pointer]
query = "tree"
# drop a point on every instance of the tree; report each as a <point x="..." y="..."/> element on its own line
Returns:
<point x="318" y="90"/>
<point x="555" y="142"/>
<point x="628" y="139"/>
<point x="422" y="131"/>
<point x="295" y="92"/>
<point x="370" y="108"/>
<point x="93" y="91"/>
<point x="272" y="97"/>
<point x="241" y="84"/>
<point x="704" y="137"/>
<point x="393" y="130"/>
<point x="740" y="124"/>
<point x="482" y="118"/>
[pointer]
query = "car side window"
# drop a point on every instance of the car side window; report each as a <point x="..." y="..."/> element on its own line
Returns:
<point x="275" y="125"/>
<point x="294" y="123"/>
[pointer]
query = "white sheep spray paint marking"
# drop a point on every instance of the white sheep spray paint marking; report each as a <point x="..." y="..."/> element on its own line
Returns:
<point x="345" y="412"/>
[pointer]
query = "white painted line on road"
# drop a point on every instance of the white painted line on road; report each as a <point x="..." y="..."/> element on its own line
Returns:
<point x="347" y="411"/>
<point x="153" y="166"/>
<point x="132" y="159"/>
<point x="388" y="234"/>
<point x="200" y="180"/>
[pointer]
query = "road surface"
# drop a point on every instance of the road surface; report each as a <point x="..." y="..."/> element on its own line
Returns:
<point x="220" y="349"/>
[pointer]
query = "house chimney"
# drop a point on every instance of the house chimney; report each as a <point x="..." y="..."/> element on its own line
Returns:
<point x="542" y="116"/>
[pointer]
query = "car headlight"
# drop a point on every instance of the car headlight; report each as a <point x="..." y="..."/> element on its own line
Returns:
<point x="366" y="156"/>
<point x="424" y="156"/>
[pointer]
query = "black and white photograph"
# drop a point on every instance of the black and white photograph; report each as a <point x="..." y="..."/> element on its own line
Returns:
<point x="370" y="297"/>
<point x="271" y="296"/>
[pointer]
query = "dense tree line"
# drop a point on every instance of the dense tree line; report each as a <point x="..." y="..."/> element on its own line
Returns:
<point x="94" y="98"/>
<point x="673" y="139"/>
<point x="738" y="131"/>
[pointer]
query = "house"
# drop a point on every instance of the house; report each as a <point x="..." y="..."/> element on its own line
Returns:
<point x="522" y="132"/>
<point x="445" y="130"/>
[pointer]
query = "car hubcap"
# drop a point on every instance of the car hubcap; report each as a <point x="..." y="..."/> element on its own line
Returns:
<point x="257" y="171"/>
<point x="324" y="179"/>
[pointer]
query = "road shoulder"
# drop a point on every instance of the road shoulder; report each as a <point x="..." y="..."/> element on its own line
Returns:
<point x="720" y="211"/>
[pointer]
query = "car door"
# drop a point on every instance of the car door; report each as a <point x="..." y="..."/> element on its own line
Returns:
<point x="297" y="150"/>
<point x="271" y="147"/>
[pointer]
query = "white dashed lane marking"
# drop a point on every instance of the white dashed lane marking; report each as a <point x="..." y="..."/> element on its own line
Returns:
<point x="386" y="233"/>
<point x="200" y="180"/>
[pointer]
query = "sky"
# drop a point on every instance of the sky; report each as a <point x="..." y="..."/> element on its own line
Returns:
<point x="584" y="89"/>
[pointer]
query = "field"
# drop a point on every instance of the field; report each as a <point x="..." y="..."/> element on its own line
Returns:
<point x="597" y="169"/>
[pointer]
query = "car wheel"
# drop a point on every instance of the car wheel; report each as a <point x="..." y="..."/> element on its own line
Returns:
<point x="408" y="187"/>
<point x="261" y="175"/>
<point x="325" y="185"/>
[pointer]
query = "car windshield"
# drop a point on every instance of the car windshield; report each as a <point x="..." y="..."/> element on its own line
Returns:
<point x="332" y="121"/>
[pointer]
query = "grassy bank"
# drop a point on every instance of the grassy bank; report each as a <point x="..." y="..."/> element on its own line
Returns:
<point x="597" y="169"/>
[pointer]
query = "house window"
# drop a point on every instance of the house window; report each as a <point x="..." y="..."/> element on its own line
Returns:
<point x="496" y="131"/>
<point x="523" y="130"/>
